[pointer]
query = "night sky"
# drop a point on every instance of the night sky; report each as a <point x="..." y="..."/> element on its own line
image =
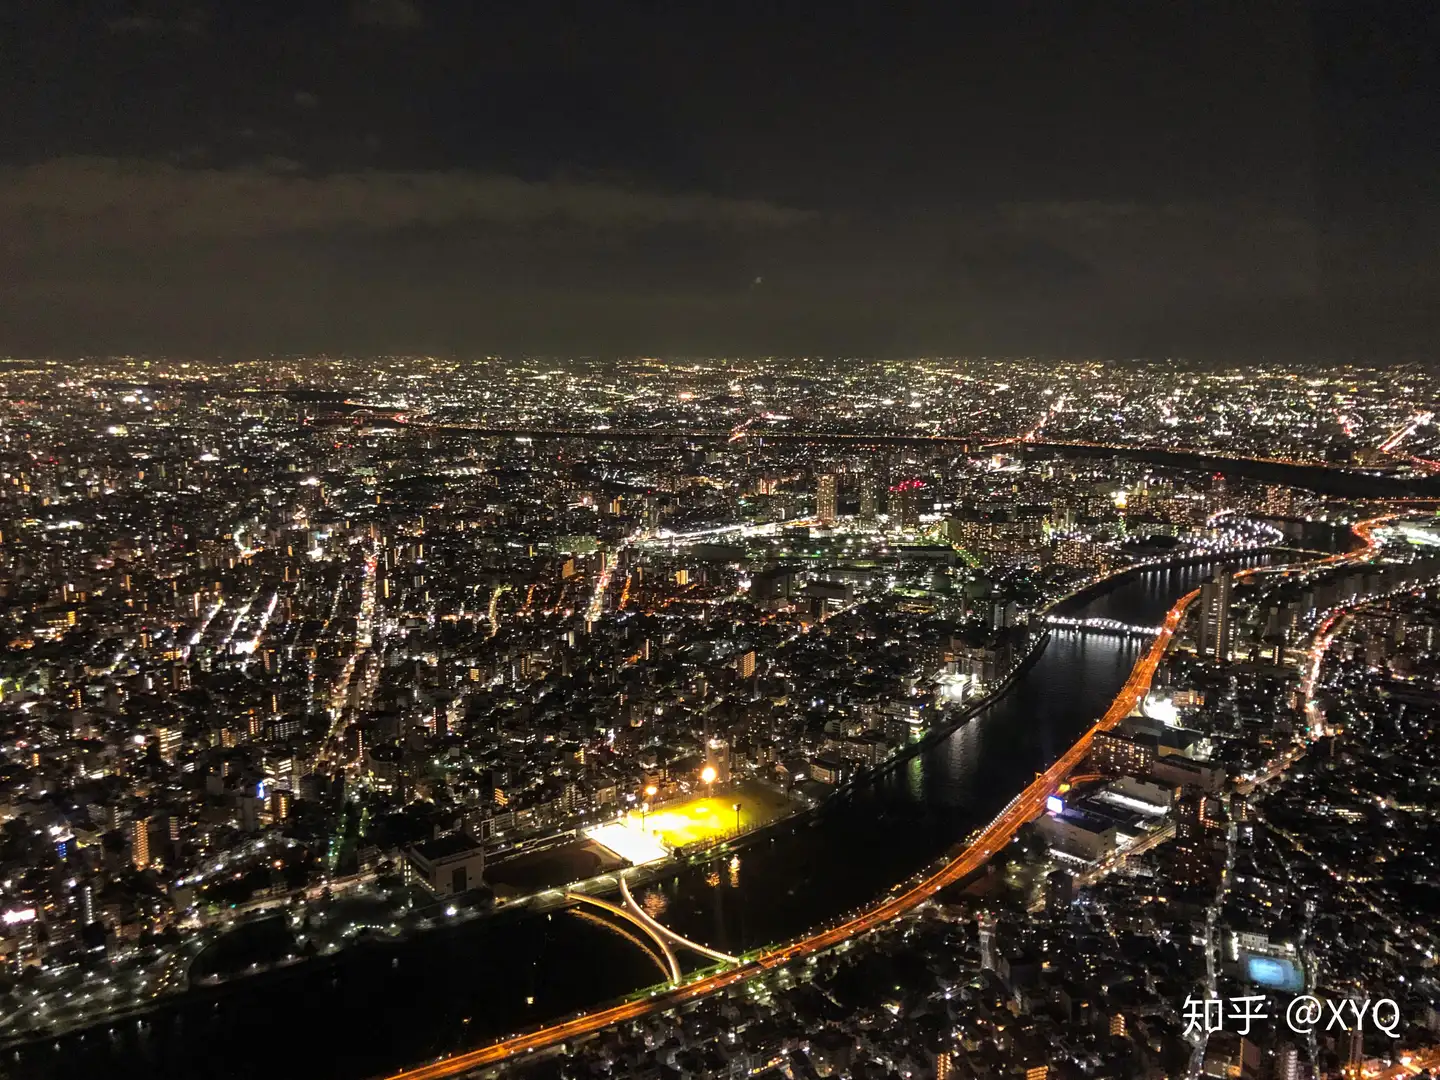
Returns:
<point x="1219" y="180"/>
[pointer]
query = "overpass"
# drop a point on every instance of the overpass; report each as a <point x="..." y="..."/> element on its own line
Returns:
<point x="665" y="932"/>
<point x="672" y="964"/>
<point x="665" y="939"/>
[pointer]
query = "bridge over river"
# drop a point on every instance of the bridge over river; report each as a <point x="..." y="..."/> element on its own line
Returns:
<point x="665" y="939"/>
<point x="1097" y="625"/>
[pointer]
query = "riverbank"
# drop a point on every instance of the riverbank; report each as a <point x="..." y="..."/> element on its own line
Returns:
<point x="1093" y="588"/>
<point x="952" y="723"/>
<point x="1085" y="592"/>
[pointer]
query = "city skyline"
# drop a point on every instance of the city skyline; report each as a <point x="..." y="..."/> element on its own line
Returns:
<point x="723" y="674"/>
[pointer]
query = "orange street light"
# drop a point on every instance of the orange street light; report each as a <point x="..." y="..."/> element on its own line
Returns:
<point x="707" y="774"/>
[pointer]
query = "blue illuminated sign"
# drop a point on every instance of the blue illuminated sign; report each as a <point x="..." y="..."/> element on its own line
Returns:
<point x="1274" y="972"/>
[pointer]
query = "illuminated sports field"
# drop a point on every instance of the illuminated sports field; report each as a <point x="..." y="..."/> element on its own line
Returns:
<point x="703" y="819"/>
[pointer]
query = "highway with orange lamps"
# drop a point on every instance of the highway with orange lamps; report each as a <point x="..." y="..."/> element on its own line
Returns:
<point x="1364" y="532"/>
<point x="1050" y="414"/>
<point x="1002" y="828"/>
<point x="982" y="440"/>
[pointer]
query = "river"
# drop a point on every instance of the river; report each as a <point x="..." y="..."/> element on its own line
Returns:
<point x="376" y="1008"/>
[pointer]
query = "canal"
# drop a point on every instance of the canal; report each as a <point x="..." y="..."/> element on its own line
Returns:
<point x="379" y="1007"/>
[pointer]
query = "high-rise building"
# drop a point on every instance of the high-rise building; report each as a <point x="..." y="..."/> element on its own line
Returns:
<point x="905" y="502"/>
<point x="1287" y="1062"/>
<point x="1279" y="501"/>
<point x="1228" y="1054"/>
<point x="1216" y="631"/>
<point x="1355" y="1051"/>
<point x="985" y="924"/>
<point x="1198" y="815"/>
<point x="169" y="740"/>
<point x="140" y="842"/>
<point x="868" y="508"/>
<point x="826" y="499"/>
<point x="249" y="805"/>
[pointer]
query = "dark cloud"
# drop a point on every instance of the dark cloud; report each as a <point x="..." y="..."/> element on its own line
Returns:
<point x="390" y="14"/>
<point x="192" y="21"/>
<point x="1233" y="246"/>
<point x="94" y="200"/>
<point x="275" y="258"/>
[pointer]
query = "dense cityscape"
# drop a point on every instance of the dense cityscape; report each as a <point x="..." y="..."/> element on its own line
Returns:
<point x="632" y="541"/>
<point x="308" y="658"/>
